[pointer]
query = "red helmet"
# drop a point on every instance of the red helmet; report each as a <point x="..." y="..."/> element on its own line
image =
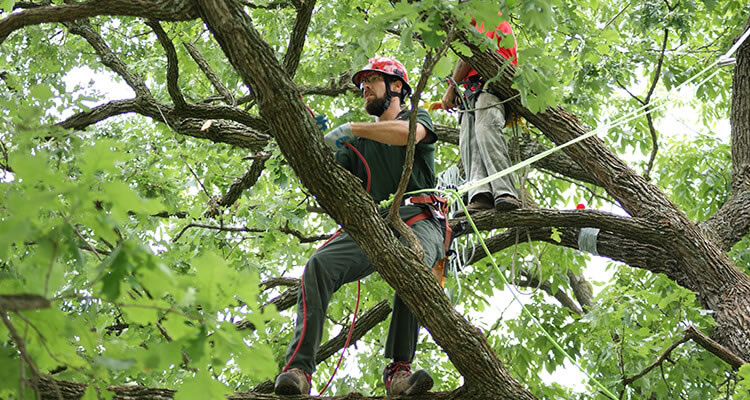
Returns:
<point x="385" y="65"/>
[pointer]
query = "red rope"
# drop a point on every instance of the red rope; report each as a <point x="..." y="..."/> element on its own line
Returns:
<point x="367" y="167"/>
<point x="304" y="301"/>
<point x="348" y="340"/>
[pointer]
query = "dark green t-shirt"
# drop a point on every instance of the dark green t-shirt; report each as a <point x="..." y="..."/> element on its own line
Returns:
<point x="387" y="161"/>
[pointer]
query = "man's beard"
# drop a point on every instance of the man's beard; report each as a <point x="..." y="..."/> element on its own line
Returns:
<point x="376" y="106"/>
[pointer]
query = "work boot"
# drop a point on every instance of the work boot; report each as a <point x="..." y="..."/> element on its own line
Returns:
<point x="293" y="381"/>
<point x="480" y="202"/>
<point x="507" y="202"/>
<point x="399" y="379"/>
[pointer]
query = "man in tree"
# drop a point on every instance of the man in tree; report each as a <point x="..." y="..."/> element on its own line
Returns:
<point x="374" y="152"/>
<point x="482" y="144"/>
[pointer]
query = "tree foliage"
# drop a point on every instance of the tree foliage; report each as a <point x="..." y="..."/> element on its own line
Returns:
<point x="144" y="230"/>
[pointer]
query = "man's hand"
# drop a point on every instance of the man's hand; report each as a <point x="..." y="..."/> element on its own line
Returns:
<point x="449" y="99"/>
<point x="336" y="137"/>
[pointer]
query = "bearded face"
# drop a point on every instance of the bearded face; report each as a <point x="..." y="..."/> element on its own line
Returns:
<point x="375" y="105"/>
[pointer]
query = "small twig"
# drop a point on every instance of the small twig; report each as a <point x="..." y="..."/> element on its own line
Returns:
<point x="49" y="270"/>
<point x="628" y="381"/>
<point x="169" y="310"/>
<point x="692" y="333"/>
<point x="302" y="238"/>
<point x="182" y="157"/>
<point x="393" y="215"/>
<point x="210" y="74"/>
<point x="88" y="245"/>
<point x="615" y="17"/>
<point x="578" y="183"/>
<point x="19" y="343"/>
<point x="649" y="118"/>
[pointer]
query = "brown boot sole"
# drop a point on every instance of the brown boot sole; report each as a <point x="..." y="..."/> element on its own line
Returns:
<point x="507" y="204"/>
<point x="419" y="383"/>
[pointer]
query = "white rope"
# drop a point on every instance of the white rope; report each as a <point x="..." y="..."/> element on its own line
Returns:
<point x="736" y="46"/>
<point x="660" y="103"/>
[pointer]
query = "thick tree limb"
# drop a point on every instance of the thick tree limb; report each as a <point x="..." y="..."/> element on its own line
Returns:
<point x="164" y="10"/>
<point x="173" y="69"/>
<point x="297" y="39"/>
<point x="731" y="222"/>
<point x="739" y="118"/>
<point x="633" y="228"/>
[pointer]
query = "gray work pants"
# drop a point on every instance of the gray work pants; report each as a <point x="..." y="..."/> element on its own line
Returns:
<point x="342" y="261"/>
<point x="484" y="150"/>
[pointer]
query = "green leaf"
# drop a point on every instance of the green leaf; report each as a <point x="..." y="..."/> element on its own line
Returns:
<point x="201" y="386"/>
<point x="444" y="67"/>
<point x="556" y="235"/>
<point x="41" y="92"/>
<point x="10" y="373"/>
<point x="113" y="270"/>
<point x="710" y="4"/>
<point x="114" y="364"/>
<point x="462" y="49"/>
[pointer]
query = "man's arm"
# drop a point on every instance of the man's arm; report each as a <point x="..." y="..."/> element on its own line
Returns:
<point x="449" y="98"/>
<point x="387" y="132"/>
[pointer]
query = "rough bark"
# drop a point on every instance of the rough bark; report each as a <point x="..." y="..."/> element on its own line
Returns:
<point x="164" y="10"/>
<point x="739" y="118"/>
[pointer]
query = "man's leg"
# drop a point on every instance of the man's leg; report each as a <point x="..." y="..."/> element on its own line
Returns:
<point x="474" y="169"/>
<point x="338" y="262"/>
<point x="492" y="146"/>
<point x="404" y="328"/>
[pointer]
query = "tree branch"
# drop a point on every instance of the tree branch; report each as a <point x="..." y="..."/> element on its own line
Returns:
<point x="20" y="302"/>
<point x="297" y="38"/>
<point x="691" y="333"/>
<point x="173" y="70"/>
<point x="240" y="185"/>
<point x="210" y="74"/>
<point x="108" y="57"/>
<point x="365" y="322"/>
<point x="165" y="10"/>
<point x="649" y="117"/>
<point x="280" y="281"/>
<point x="639" y="229"/>
<point x="559" y="294"/>
<point x="302" y="238"/>
<point x="740" y="118"/>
